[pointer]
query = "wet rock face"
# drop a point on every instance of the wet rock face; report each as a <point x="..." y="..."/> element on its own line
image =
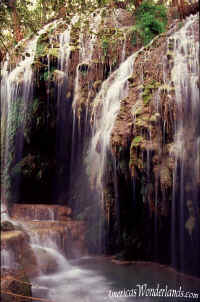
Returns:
<point x="27" y="254"/>
<point x="52" y="222"/>
<point x="68" y="236"/>
<point x="40" y="212"/>
<point x="18" y="251"/>
<point x="144" y="142"/>
<point x="7" y="226"/>
<point x="124" y="17"/>
<point x="91" y="59"/>
<point x="118" y="17"/>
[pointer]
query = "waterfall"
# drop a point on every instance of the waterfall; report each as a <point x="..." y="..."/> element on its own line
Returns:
<point x="185" y="213"/>
<point x="16" y="97"/>
<point x="105" y="110"/>
<point x="7" y="259"/>
<point x="87" y="42"/>
<point x="85" y="55"/>
<point x="124" y="48"/>
<point x="63" y="60"/>
<point x="16" y="87"/>
<point x="99" y="159"/>
<point x="63" y="106"/>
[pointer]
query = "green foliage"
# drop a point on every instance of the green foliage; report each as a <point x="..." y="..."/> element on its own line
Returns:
<point x="136" y="141"/>
<point x="134" y="39"/>
<point x="105" y="45"/>
<point x="151" y="20"/>
<point x="148" y="91"/>
<point x="42" y="46"/>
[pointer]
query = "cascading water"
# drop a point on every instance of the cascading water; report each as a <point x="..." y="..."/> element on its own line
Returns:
<point x="63" y="104"/>
<point x="106" y="107"/>
<point x="87" y="46"/>
<point x="64" y="52"/>
<point x="87" y="42"/>
<point x="93" y="283"/>
<point x="16" y="87"/>
<point x="7" y="259"/>
<point x="105" y="110"/>
<point x="16" y="97"/>
<point x="185" y="203"/>
<point x="124" y="49"/>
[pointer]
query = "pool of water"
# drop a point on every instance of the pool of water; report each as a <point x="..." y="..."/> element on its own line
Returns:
<point x="98" y="279"/>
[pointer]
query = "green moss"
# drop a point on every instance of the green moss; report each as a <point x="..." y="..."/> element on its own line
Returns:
<point x="167" y="88"/>
<point x="138" y="111"/>
<point x="136" y="141"/>
<point x="54" y="52"/>
<point x="170" y="55"/>
<point x="149" y="90"/>
<point x="146" y="99"/>
<point x="171" y="44"/>
<point x="141" y="123"/>
<point x="155" y="118"/>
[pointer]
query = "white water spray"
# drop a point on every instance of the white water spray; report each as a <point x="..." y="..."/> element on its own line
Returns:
<point x="185" y="76"/>
<point x="105" y="110"/>
<point x="16" y="95"/>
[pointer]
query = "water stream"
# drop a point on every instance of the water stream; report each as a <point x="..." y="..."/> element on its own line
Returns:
<point x="98" y="279"/>
<point x="16" y="97"/>
<point x="113" y="90"/>
<point x="185" y="216"/>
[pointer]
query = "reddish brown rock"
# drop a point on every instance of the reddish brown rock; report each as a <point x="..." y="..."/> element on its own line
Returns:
<point x="40" y="212"/>
<point x="69" y="236"/>
<point x="15" y="285"/>
<point x="23" y="258"/>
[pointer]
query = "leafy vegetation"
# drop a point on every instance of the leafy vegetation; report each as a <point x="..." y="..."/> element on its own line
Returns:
<point x="21" y="19"/>
<point x="151" y="20"/>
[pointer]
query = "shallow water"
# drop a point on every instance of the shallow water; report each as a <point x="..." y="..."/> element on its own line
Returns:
<point x="96" y="279"/>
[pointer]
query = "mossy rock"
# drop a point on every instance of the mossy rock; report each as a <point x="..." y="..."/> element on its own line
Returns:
<point x="42" y="49"/>
<point x="97" y="84"/>
<point x="73" y="48"/>
<point x="140" y="164"/>
<point x="7" y="226"/>
<point x="165" y="177"/>
<point x="138" y="111"/>
<point x="171" y="44"/>
<point x="149" y="90"/>
<point x="170" y="55"/>
<point x="167" y="88"/>
<point x="137" y="141"/>
<point x="155" y="118"/>
<point x="54" y="52"/>
<point x="142" y="123"/>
